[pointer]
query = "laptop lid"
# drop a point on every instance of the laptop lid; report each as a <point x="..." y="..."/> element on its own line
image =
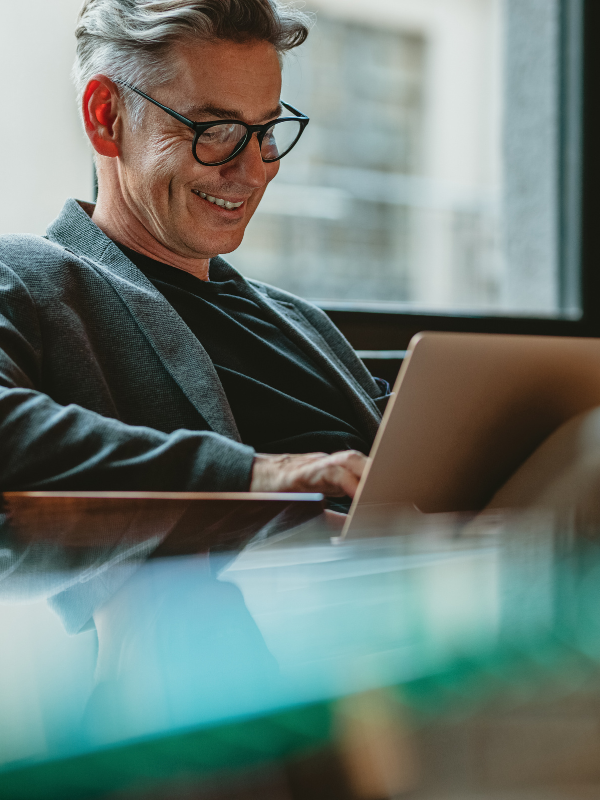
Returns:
<point x="466" y="411"/>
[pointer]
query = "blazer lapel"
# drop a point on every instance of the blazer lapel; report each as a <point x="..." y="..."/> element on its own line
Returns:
<point x="300" y="331"/>
<point x="179" y="350"/>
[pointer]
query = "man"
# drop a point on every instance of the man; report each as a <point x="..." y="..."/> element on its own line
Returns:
<point x="132" y="356"/>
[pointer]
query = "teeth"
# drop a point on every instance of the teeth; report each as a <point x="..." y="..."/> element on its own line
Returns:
<point x="218" y="201"/>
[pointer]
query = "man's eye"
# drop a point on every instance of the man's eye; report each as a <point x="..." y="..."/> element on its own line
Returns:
<point x="208" y="136"/>
<point x="222" y="134"/>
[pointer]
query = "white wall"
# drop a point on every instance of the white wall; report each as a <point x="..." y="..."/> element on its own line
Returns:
<point x="44" y="156"/>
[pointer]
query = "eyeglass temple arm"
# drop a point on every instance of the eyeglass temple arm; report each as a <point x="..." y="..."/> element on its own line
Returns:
<point x="187" y="121"/>
<point x="169" y="111"/>
<point x="294" y="111"/>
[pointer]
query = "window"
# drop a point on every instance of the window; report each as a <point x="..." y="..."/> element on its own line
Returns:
<point x="430" y="176"/>
<point x="437" y="185"/>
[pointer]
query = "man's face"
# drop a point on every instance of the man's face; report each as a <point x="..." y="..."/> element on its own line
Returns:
<point x="159" y="176"/>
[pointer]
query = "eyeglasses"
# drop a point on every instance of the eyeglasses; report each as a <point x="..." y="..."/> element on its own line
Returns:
<point x="219" y="141"/>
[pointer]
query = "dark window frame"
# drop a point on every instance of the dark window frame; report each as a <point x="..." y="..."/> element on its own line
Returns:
<point x="388" y="332"/>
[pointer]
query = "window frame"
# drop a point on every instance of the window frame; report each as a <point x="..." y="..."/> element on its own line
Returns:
<point x="389" y="332"/>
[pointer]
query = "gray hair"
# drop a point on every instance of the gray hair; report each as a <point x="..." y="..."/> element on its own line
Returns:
<point x="130" y="40"/>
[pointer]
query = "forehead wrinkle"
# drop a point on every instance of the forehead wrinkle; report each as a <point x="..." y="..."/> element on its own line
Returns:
<point x="208" y="110"/>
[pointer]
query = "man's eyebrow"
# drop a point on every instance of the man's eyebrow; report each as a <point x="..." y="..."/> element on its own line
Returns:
<point x="216" y="112"/>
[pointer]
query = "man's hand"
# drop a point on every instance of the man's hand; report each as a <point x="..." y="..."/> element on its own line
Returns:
<point x="333" y="475"/>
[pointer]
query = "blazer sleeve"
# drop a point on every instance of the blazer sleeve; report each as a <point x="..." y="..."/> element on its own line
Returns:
<point x="44" y="445"/>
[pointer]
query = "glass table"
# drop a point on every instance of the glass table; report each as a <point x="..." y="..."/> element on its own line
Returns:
<point x="434" y="656"/>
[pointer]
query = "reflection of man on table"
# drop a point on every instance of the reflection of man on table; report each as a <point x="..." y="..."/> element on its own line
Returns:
<point x="132" y="356"/>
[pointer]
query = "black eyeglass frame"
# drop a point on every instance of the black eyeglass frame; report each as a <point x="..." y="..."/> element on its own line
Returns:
<point x="200" y="127"/>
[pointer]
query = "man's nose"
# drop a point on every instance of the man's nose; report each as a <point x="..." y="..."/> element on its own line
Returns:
<point x="248" y="167"/>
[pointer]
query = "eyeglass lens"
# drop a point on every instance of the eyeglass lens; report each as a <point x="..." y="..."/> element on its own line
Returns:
<point x="219" y="142"/>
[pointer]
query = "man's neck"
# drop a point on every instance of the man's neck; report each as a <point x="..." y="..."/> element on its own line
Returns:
<point x="126" y="229"/>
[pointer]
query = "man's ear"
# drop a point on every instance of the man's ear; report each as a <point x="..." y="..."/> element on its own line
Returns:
<point x="100" y="114"/>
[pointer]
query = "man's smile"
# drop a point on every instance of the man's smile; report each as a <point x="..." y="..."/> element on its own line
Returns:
<point x="219" y="201"/>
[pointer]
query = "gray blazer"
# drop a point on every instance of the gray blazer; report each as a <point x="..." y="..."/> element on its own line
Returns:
<point x="103" y="386"/>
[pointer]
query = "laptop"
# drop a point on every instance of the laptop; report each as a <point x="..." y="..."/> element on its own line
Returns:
<point x="466" y="411"/>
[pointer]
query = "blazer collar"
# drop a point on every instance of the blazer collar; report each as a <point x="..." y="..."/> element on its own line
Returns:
<point x="179" y="350"/>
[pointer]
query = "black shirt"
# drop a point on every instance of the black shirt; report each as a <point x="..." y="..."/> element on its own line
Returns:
<point x="280" y="399"/>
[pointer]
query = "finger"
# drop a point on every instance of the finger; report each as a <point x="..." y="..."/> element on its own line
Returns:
<point x="349" y="483"/>
<point x="339" y="481"/>
<point x="358" y="463"/>
<point x="352" y="460"/>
